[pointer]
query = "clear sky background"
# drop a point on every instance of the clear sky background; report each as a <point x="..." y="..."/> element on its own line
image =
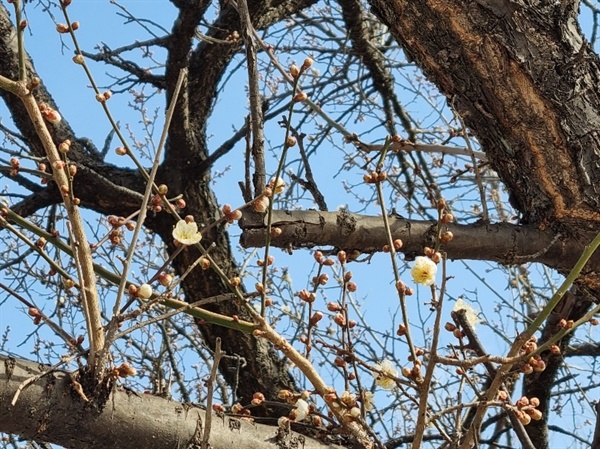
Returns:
<point x="485" y="285"/>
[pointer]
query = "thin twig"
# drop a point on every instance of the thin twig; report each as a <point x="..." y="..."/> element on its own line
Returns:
<point x="211" y="388"/>
<point x="256" y="113"/>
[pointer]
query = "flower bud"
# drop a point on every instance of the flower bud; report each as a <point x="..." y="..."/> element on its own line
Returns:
<point x="339" y="319"/>
<point x="300" y="97"/>
<point x="294" y="71"/>
<point x="308" y="62"/>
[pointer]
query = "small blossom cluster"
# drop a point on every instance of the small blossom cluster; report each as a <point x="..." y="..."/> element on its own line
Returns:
<point x="117" y="223"/>
<point x="124" y="370"/>
<point x="534" y="363"/>
<point x="49" y="114"/>
<point x="231" y="215"/>
<point x="525" y="409"/>
<point x="375" y="177"/>
<point x="302" y="410"/>
<point x="424" y="270"/>
<point x="186" y="232"/>
<point x="262" y="202"/>
<point x="296" y="71"/>
<point x="385" y="375"/>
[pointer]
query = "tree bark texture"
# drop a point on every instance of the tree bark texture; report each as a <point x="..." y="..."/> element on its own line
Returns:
<point x="501" y="242"/>
<point x="525" y="81"/>
<point x="50" y="410"/>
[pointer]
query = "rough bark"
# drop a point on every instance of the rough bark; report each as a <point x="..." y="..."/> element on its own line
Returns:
<point x="50" y="410"/>
<point x="525" y="81"/>
<point x="500" y="242"/>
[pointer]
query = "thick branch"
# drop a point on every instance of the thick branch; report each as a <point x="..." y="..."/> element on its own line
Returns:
<point x="49" y="410"/>
<point x="525" y="81"/>
<point x="501" y="242"/>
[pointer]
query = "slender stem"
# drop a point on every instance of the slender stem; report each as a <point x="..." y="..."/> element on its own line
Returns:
<point x="83" y="257"/>
<point x="218" y="354"/>
<point x="473" y="432"/>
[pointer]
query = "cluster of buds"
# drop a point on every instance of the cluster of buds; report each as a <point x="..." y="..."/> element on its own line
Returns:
<point x="566" y="324"/>
<point x="77" y="341"/>
<point x="156" y="203"/>
<point x="307" y="296"/>
<point x="397" y="246"/>
<point x="456" y="331"/>
<point x="526" y="410"/>
<point x="64" y="146"/>
<point x="446" y="237"/>
<point x="63" y="28"/>
<point x="33" y="83"/>
<point x="125" y="370"/>
<point x="262" y="202"/>
<point x="434" y="255"/>
<point x="103" y="97"/>
<point x="375" y="177"/>
<point x="50" y="114"/>
<point x="350" y="285"/>
<point x="262" y="263"/>
<point x="402" y="288"/>
<point x="533" y="364"/>
<point x="231" y="215"/>
<point x="233" y="37"/>
<point x="352" y="412"/>
<point x="35" y="313"/>
<point x="116" y="223"/>
<point x="302" y="408"/>
<point x="320" y="280"/>
<point x="239" y="409"/>
<point x="413" y="373"/>
<point x="258" y="398"/>
<point x="143" y="291"/>
<point x="529" y="346"/>
<point x="296" y="71"/>
<point x="322" y="260"/>
<point x="445" y="217"/>
<point x="15" y="165"/>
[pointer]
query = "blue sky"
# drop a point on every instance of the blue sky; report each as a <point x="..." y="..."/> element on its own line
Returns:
<point x="376" y="293"/>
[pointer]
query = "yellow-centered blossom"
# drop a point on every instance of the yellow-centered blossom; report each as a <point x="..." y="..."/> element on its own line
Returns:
<point x="382" y="379"/>
<point x="470" y="312"/>
<point x="423" y="272"/>
<point x="186" y="233"/>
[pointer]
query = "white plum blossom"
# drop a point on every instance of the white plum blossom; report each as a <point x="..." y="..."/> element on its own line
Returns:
<point x="367" y="399"/>
<point x="145" y="291"/>
<point x="382" y="379"/>
<point x="470" y="312"/>
<point x="278" y="185"/>
<point x="423" y="272"/>
<point x="301" y="410"/>
<point x="187" y="233"/>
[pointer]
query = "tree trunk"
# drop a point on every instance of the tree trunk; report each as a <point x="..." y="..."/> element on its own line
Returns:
<point x="525" y="81"/>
